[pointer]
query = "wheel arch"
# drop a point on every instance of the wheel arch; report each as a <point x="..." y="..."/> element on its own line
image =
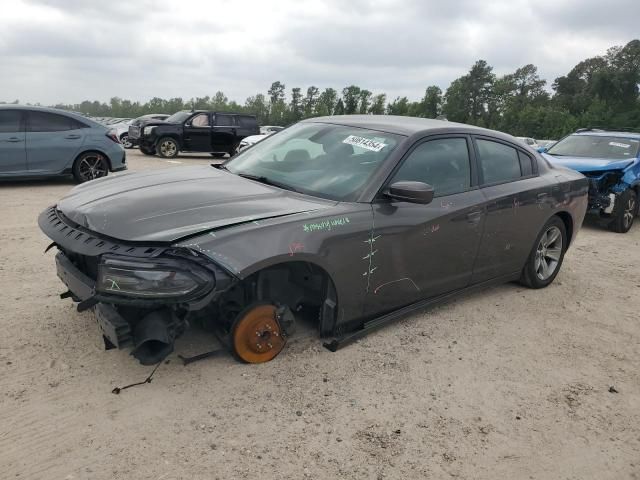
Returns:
<point x="92" y="150"/>
<point x="567" y="219"/>
<point x="306" y="279"/>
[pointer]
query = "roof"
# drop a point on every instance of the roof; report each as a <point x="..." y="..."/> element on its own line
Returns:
<point x="399" y="125"/>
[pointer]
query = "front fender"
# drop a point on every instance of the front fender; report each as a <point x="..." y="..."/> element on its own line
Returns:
<point x="335" y="240"/>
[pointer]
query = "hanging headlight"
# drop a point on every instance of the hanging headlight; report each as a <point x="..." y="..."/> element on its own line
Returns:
<point x="156" y="278"/>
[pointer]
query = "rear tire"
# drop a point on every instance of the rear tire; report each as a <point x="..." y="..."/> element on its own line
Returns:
<point x="546" y="257"/>
<point x="89" y="166"/>
<point x="624" y="211"/>
<point x="167" y="147"/>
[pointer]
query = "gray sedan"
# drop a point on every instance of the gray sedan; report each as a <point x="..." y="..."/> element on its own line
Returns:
<point x="41" y="142"/>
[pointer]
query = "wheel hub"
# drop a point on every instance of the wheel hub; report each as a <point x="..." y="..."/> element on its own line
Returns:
<point x="257" y="336"/>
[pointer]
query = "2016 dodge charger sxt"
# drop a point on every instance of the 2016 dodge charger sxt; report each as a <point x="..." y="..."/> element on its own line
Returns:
<point x="352" y="221"/>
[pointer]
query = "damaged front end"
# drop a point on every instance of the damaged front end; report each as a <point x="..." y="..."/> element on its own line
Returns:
<point x="604" y="188"/>
<point x="143" y="296"/>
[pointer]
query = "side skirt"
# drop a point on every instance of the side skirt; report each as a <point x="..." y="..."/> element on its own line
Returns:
<point x="380" y="322"/>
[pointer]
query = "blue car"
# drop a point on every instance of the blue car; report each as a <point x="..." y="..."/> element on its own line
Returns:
<point x="610" y="161"/>
<point x="42" y="142"/>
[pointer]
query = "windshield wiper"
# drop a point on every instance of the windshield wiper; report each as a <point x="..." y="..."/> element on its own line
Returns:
<point x="266" y="181"/>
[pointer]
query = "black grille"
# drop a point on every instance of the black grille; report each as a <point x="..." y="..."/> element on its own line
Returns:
<point x="80" y="241"/>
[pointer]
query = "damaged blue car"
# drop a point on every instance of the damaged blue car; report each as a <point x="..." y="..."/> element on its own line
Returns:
<point x="609" y="159"/>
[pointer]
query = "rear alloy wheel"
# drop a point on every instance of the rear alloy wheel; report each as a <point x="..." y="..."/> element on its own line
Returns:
<point x="624" y="211"/>
<point x="545" y="259"/>
<point x="124" y="140"/>
<point x="256" y="334"/>
<point x="89" y="166"/>
<point x="167" y="147"/>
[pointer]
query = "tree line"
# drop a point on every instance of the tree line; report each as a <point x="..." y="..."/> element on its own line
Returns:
<point x="599" y="91"/>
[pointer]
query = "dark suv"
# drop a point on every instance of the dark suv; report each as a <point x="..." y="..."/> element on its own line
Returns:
<point x="197" y="131"/>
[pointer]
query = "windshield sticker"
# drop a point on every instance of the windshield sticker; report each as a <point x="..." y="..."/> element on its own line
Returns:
<point x="366" y="143"/>
<point x="621" y="145"/>
<point x="326" y="225"/>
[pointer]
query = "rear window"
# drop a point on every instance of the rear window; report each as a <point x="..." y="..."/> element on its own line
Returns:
<point x="596" y="146"/>
<point x="498" y="162"/>
<point x="52" y="122"/>
<point x="224" y="120"/>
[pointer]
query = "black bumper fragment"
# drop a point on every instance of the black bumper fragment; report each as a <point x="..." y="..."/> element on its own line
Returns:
<point x="78" y="283"/>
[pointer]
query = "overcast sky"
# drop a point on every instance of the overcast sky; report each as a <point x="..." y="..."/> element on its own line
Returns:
<point x="71" y="50"/>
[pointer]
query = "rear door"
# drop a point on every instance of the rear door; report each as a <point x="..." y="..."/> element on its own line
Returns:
<point x="197" y="133"/>
<point x="13" y="156"/>
<point x="53" y="141"/>
<point x="224" y="133"/>
<point x="515" y="207"/>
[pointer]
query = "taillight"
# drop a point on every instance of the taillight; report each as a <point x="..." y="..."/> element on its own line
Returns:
<point x="112" y="136"/>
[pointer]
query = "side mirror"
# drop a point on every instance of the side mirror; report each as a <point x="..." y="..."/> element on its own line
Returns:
<point x="542" y="149"/>
<point x="414" y="192"/>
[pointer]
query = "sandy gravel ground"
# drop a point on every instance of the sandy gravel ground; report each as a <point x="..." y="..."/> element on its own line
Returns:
<point x="510" y="383"/>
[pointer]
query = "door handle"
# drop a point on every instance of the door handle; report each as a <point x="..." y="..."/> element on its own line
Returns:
<point x="13" y="140"/>
<point x="542" y="195"/>
<point x="72" y="137"/>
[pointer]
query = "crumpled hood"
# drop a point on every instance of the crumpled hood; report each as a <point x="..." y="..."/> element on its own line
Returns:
<point x="169" y="204"/>
<point x="582" y="164"/>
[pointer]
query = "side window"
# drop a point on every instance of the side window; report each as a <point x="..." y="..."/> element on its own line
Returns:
<point x="526" y="164"/>
<point x="224" y="120"/>
<point x="201" y="120"/>
<point x="443" y="164"/>
<point x="498" y="162"/>
<point x="10" y="121"/>
<point x="50" y="122"/>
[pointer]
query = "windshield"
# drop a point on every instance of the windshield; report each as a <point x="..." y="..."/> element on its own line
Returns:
<point x="596" y="146"/>
<point x="178" y="117"/>
<point x="329" y="161"/>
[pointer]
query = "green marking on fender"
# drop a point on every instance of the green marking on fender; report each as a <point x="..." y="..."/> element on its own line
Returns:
<point x="325" y="225"/>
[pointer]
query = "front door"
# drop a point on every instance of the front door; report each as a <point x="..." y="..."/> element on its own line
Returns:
<point x="53" y="141"/>
<point x="421" y="251"/>
<point x="197" y="133"/>
<point x="13" y="157"/>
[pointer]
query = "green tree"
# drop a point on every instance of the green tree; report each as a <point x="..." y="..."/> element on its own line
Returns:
<point x="327" y="102"/>
<point x="351" y="98"/>
<point x="378" y="104"/>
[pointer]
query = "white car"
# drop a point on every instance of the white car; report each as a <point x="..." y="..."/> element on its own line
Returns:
<point x="247" y="142"/>
<point x="265" y="131"/>
<point x="531" y="142"/>
<point x="270" y="129"/>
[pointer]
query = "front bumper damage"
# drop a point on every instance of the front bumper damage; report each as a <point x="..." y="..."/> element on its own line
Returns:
<point x="147" y="325"/>
<point x="604" y="188"/>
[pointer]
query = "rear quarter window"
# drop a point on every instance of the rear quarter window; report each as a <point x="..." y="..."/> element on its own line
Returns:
<point x="246" y="121"/>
